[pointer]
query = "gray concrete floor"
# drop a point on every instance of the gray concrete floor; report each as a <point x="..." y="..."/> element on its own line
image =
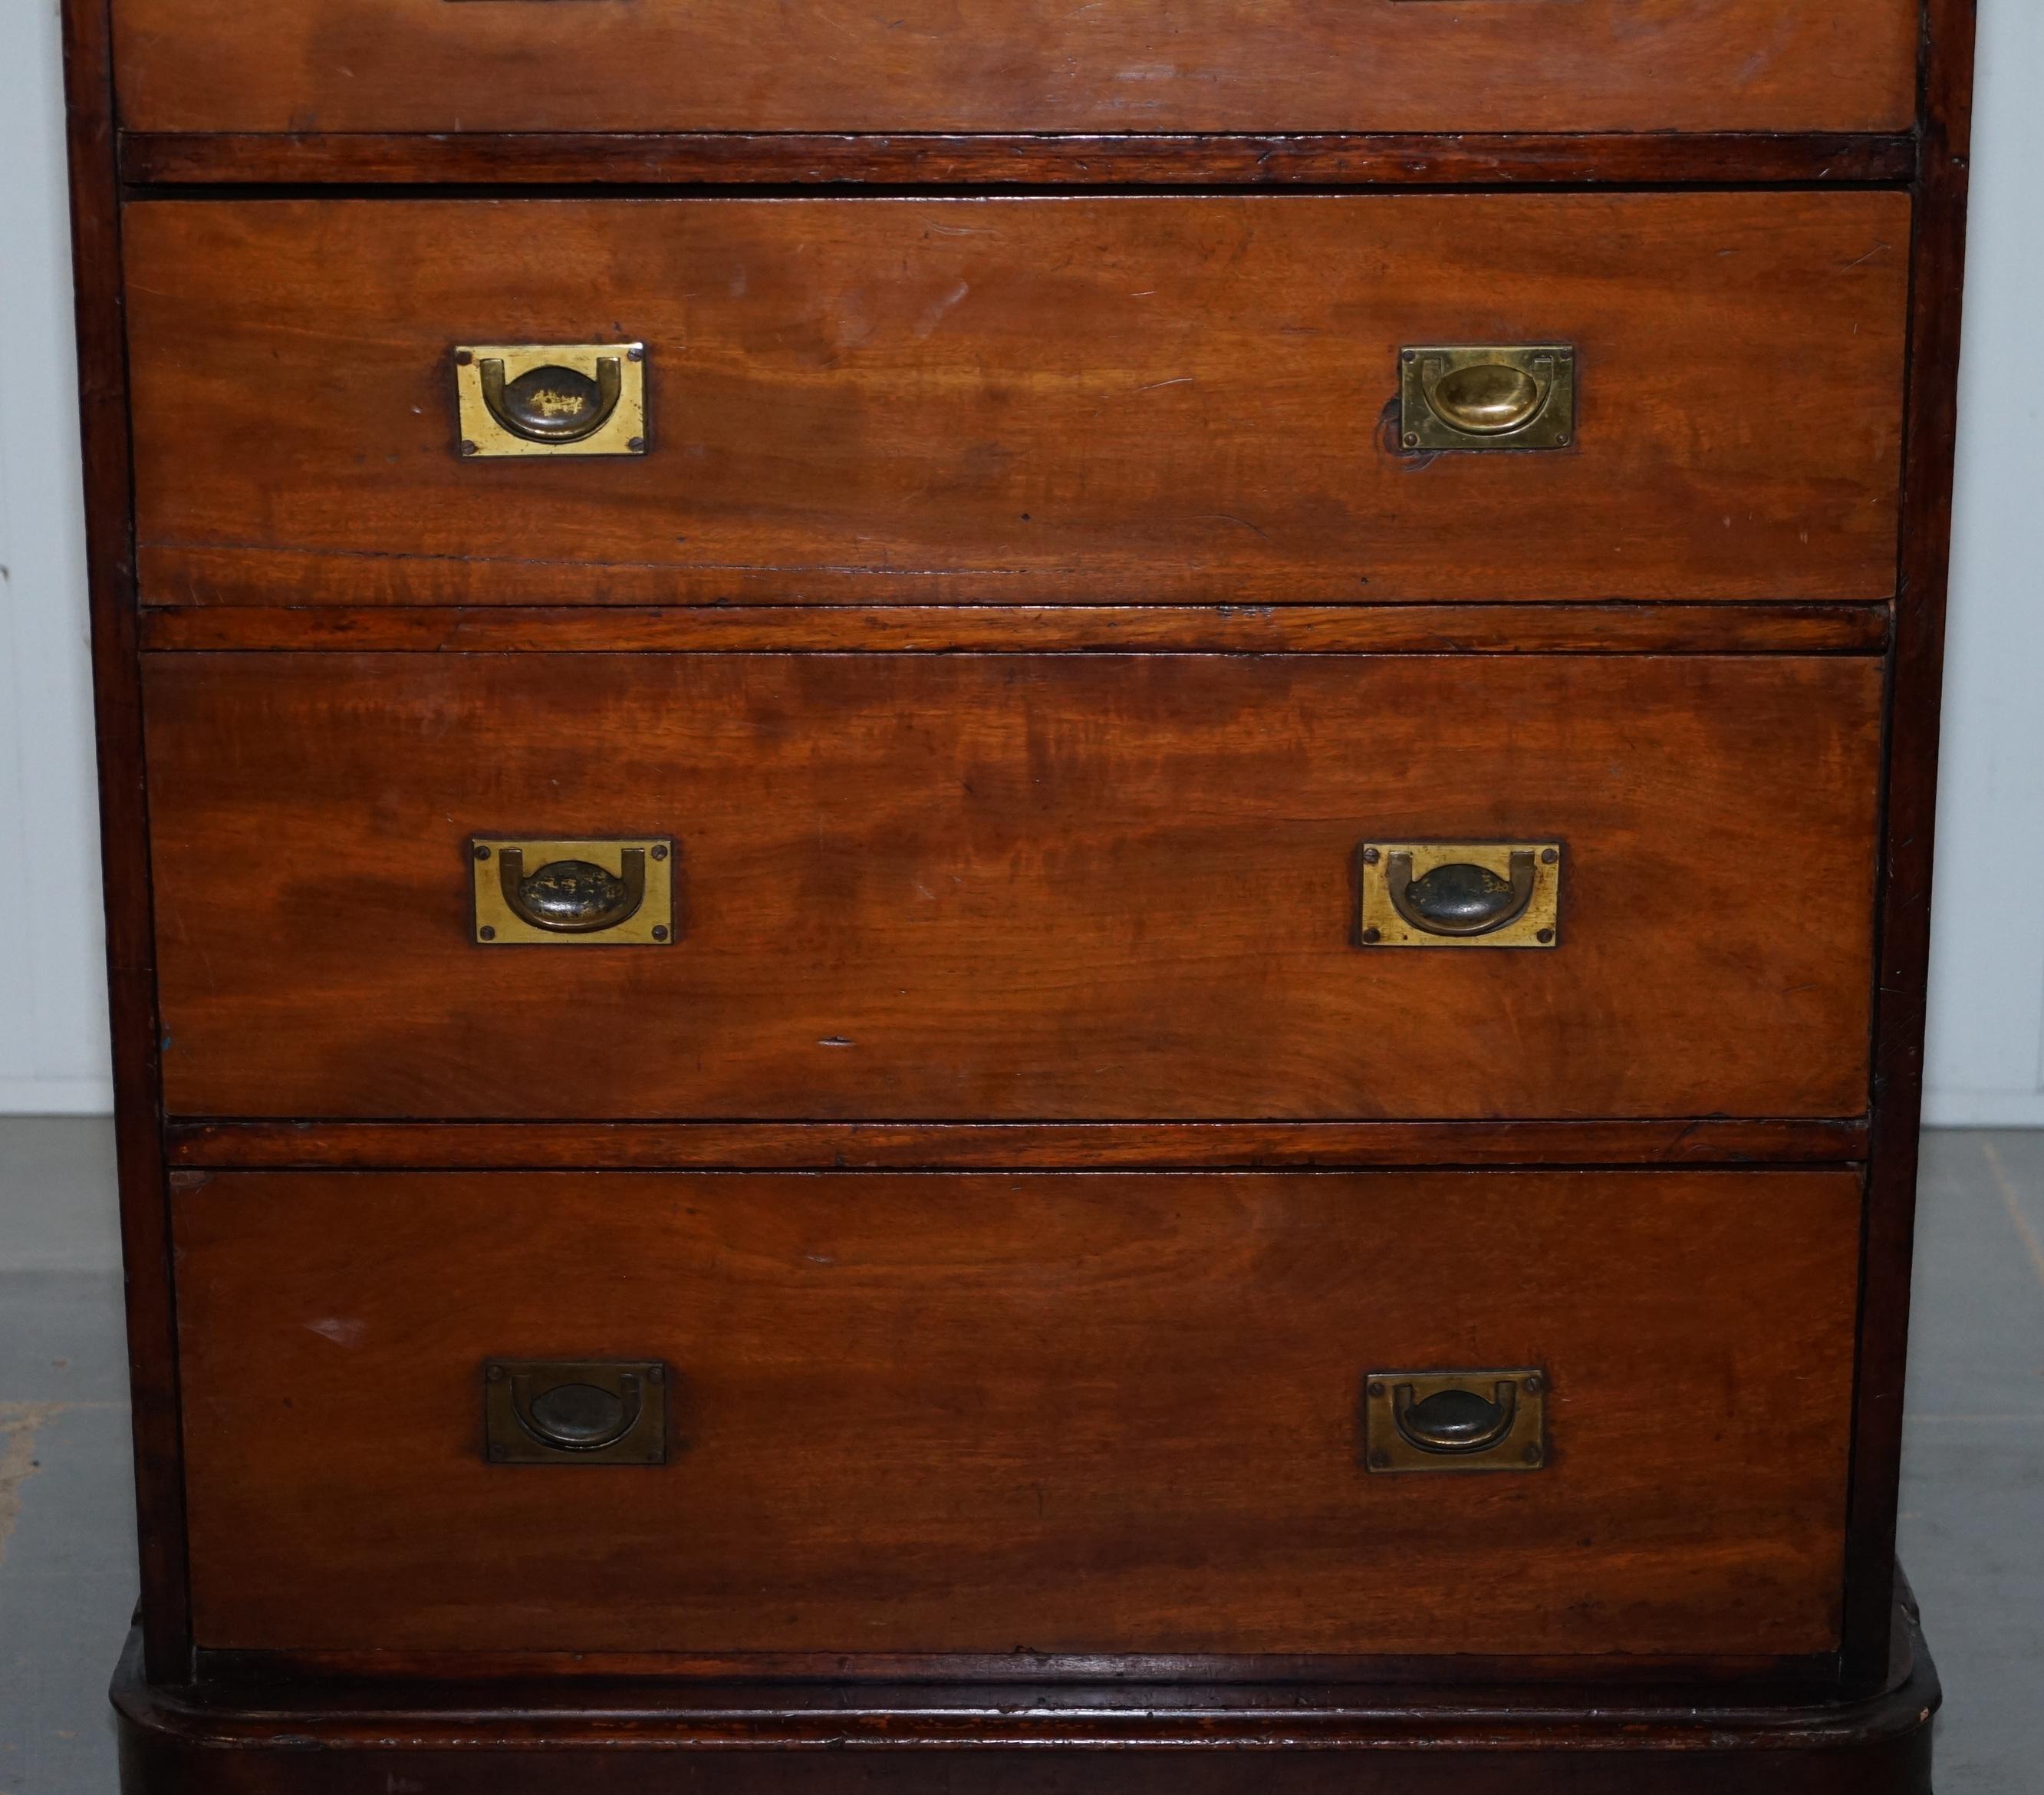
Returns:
<point x="1972" y="1522"/>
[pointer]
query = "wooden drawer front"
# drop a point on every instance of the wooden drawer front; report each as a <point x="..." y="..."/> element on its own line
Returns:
<point x="1085" y="399"/>
<point x="1024" y="65"/>
<point x="957" y="1412"/>
<point x="1033" y="887"/>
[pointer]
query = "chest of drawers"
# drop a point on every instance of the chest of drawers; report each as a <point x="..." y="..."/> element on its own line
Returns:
<point x="1018" y="899"/>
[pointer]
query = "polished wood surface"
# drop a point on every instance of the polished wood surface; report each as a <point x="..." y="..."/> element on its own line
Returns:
<point x="241" y="1732"/>
<point x="124" y="841"/>
<point x="878" y="1146"/>
<point x="1938" y="255"/>
<point x="1027" y="1413"/>
<point x="1332" y="629"/>
<point x="1023" y="65"/>
<point x="1144" y="158"/>
<point x="926" y="887"/>
<point x="1121" y="400"/>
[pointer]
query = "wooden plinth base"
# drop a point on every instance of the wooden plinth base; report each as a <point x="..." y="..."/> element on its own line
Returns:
<point x="589" y="1737"/>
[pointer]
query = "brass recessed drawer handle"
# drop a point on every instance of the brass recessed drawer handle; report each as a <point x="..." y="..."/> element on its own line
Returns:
<point x="1455" y="1420"/>
<point x="600" y="893"/>
<point x="552" y="404"/>
<point x="1460" y="898"/>
<point x="573" y="897"/>
<point x="589" y="1411"/>
<point x="550" y="398"/>
<point x="1460" y="894"/>
<point x="1521" y="397"/>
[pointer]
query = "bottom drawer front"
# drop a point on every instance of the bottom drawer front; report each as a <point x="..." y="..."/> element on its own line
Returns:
<point x="978" y="1413"/>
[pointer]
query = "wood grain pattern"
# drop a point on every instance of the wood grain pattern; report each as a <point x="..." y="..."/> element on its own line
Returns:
<point x="124" y="807"/>
<point x="242" y="1732"/>
<point x="1908" y="825"/>
<point x="1025" y="65"/>
<point x="876" y="1145"/>
<point x="1169" y="399"/>
<point x="1029" y="1413"/>
<point x="1420" y="629"/>
<point x="1149" y="158"/>
<point x="981" y="888"/>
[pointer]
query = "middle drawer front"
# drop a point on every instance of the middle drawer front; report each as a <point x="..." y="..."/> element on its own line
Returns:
<point x="986" y="1413"/>
<point x="1013" y="887"/>
<point x="1083" y="399"/>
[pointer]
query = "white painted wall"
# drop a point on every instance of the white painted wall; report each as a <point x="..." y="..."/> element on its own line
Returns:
<point x="52" y="1015"/>
<point x="1986" y="1023"/>
<point x="1987" y="966"/>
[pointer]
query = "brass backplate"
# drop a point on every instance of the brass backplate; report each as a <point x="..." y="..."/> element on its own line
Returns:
<point x="1495" y="384"/>
<point x="574" y="1411"/>
<point x="1538" y="925"/>
<point x="1522" y="1447"/>
<point x="622" y="432"/>
<point x="496" y="924"/>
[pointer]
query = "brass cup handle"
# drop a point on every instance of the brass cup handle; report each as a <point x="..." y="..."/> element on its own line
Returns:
<point x="1459" y="899"/>
<point x="551" y="404"/>
<point x="574" y="1417"/>
<point x="1455" y="1420"/>
<point x="1488" y="398"/>
<point x="573" y="897"/>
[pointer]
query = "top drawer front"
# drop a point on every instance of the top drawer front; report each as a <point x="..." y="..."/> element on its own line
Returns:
<point x="1089" y="400"/>
<point x="1019" y="65"/>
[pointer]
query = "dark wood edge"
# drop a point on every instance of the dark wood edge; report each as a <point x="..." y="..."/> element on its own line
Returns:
<point x="1465" y="1714"/>
<point x="224" y="1145"/>
<point x="1503" y="628"/>
<point x="102" y="362"/>
<point x="1916" y="674"/>
<point x="221" y="576"/>
<point x="180" y="159"/>
<point x="1239" y="1681"/>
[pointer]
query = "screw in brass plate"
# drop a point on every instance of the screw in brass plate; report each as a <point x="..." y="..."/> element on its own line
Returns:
<point x="496" y="1374"/>
<point x="1534" y="1385"/>
<point x="1412" y="439"/>
<point x="1371" y="856"/>
<point x="660" y="851"/>
<point x="1379" y="1460"/>
<point x="635" y="353"/>
<point x="659" y="932"/>
<point x="1544" y="935"/>
<point x="1549" y="856"/>
<point x="463" y="358"/>
<point x="482" y="851"/>
<point x="470" y="448"/>
<point x="1371" y="937"/>
<point x="1532" y="1454"/>
<point x="487" y="932"/>
<point x="637" y="445"/>
<point x="1376" y="1389"/>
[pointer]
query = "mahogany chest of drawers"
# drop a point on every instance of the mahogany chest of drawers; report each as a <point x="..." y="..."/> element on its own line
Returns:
<point x="1019" y="898"/>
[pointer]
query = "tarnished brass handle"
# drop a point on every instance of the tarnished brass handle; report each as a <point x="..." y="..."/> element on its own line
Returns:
<point x="1455" y="1420"/>
<point x="1461" y="898"/>
<point x="1487" y="398"/>
<point x="551" y="404"/>
<point x="572" y="897"/>
<point x="577" y="1417"/>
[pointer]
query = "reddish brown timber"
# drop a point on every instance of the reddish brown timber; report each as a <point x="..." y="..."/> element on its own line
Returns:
<point x="653" y="1146"/>
<point x="737" y="158"/>
<point x="1385" y="629"/>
